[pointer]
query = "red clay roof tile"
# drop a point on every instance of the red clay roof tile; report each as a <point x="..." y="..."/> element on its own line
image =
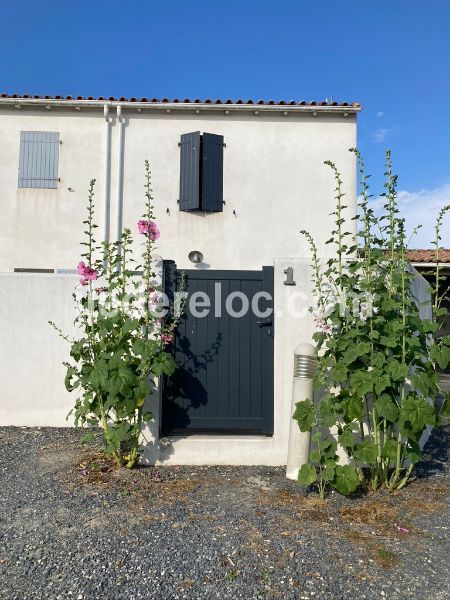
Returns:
<point x="428" y="256"/>
<point x="188" y="101"/>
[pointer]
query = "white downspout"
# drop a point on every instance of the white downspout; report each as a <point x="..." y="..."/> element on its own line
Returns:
<point x="107" y="181"/>
<point x="119" y="206"/>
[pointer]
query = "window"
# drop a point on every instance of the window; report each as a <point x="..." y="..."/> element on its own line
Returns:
<point x="38" y="162"/>
<point x="201" y="172"/>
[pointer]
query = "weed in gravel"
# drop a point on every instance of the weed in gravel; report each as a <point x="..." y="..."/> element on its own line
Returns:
<point x="370" y="512"/>
<point x="232" y="575"/>
<point x="385" y="558"/>
<point x="186" y="583"/>
<point x="422" y="506"/>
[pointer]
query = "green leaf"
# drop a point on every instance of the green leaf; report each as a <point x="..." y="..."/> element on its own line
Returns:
<point x="314" y="455"/>
<point x="346" y="439"/>
<point x="328" y="472"/>
<point x="328" y="449"/>
<point x="386" y="408"/>
<point x="424" y="382"/>
<point x="381" y="383"/>
<point x="88" y="437"/>
<point x="68" y="379"/>
<point x="355" y="352"/>
<point x="306" y="475"/>
<point x="304" y="415"/>
<point x="361" y="382"/>
<point x="353" y="407"/>
<point x="163" y="364"/>
<point x="413" y="451"/>
<point x="366" y="452"/>
<point x="339" y="372"/>
<point x="346" y="479"/>
<point x="417" y="412"/>
<point x="129" y="325"/>
<point x="99" y="373"/>
<point x="125" y="377"/>
<point x="378" y="359"/>
<point x="429" y="326"/>
<point x="326" y="411"/>
<point x="439" y="354"/>
<point x="115" y="360"/>
<point x="390" y="449"/>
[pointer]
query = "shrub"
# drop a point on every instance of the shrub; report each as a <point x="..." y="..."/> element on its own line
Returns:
<point x="377" y="357"/>
<point x="120" y="353"/>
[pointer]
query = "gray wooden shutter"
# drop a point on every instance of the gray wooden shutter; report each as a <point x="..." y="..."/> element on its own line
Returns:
<point x="38" y="162"/>
<point x="212" y="172"/>
<point x="190" y="171"/>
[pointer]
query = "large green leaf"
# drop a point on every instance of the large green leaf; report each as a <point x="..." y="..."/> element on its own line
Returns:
<point x="416" y="411"/>
<point x="304" y="415"/>
<point x="329" y="471"/>
<point x="306" y="475"/>
<point x="386" y="408"/>
<point x="163" y="364"/>
<point x="361" y="382"/>
<point x="366" y="452"/>
<point x="339" y="372"/>
<point x="353" y="407"/>
<point x="99" y="373"/>
<point x="126" y="377"/>
<point x="129" y="325"/>
<point x="424" y="382"/>
<point x="381" y="382"/>
<point x="346" y="480"/>
<point x="326" y="410"/>
<point x="346" y="438"/>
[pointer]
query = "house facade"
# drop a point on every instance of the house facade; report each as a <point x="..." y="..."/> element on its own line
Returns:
<point x="233" y="183"/>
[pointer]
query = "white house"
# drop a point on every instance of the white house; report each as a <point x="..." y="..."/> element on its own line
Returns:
<point x="233" y="180"/>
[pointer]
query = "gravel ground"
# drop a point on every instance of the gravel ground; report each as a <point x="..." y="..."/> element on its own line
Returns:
<point x="71" y="527"/>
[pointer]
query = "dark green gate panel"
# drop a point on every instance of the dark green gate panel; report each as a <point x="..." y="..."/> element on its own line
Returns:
<point x="224" y="376"/>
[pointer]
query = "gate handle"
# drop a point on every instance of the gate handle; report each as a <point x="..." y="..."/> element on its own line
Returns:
<point x="266" y="323"/>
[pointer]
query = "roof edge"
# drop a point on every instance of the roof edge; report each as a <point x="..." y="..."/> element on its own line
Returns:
<point x="168" y="106"/>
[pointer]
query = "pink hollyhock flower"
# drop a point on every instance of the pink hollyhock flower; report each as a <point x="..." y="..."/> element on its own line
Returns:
<point x="148" y="228"/>
<point x="142" y="226"/>
<point x="87" y="273"/>
<point x="166" y="338"/>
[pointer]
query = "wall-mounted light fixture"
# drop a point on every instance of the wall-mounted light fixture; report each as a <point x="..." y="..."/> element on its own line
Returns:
<point x="195" y="256"/>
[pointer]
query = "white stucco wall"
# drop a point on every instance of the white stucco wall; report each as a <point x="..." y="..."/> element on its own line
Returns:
<point x="31" y="352"/>
<point x="274" y="180"/>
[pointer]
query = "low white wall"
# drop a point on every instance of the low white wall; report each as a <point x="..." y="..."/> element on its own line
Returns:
<point x="31" y="352"/>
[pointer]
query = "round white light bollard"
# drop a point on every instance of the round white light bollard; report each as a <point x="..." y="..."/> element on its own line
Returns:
<point x="302" y="389"/>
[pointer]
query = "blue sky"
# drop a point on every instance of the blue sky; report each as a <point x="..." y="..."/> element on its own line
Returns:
<point x="393" y="56"/>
